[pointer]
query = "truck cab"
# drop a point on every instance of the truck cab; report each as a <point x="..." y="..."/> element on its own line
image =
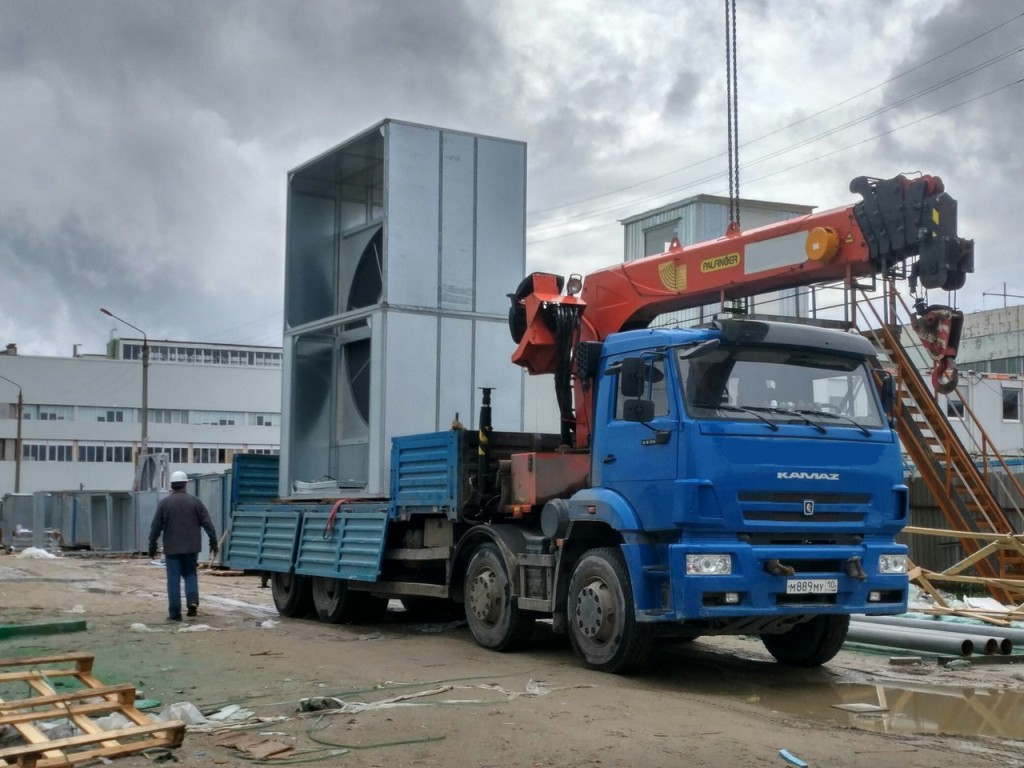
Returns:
<point x="754" y="477"/>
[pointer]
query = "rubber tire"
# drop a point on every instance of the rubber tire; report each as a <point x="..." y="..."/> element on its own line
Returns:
<point x="810" y="644"/>
<point x="335" y="603"/>
<point x="600" y="587"/>
<point x="493" y="616"/>
<point x="291" y="593"/>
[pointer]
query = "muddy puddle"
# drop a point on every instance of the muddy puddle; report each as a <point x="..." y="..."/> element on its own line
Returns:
<point x="905" y="708"/>
<point x="843" y="696"/>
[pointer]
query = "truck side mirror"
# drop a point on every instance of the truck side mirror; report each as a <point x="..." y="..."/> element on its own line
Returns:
<point x="638" y="410"/>
<point x="633" y="377"/>
<point x="887" y="390"/>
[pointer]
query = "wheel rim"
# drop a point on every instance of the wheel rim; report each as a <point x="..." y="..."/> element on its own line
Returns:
<point x="485" y="595"/>
<point x="596" y="614"/>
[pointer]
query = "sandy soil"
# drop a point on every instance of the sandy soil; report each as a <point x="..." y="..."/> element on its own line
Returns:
<point x="713" y="702"/>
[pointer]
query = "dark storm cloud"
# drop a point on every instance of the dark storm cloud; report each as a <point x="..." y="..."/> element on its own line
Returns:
<point x="152" y="138"/>
<point x="147" y="143"/>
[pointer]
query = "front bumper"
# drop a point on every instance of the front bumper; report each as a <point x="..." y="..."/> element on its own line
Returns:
<point x="665" y="591"/>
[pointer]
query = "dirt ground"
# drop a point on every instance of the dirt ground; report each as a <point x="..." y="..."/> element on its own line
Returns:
<point x="712" y="702"/>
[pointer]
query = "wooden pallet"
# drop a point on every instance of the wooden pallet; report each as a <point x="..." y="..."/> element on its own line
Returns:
<point x="78" y="707"/>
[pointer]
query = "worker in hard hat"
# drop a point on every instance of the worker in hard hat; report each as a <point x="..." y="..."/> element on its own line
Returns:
<point x="181" y="518"/>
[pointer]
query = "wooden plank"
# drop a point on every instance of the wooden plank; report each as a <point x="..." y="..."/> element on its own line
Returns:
<point x="39" y="751"/>
<point x="124" y="694"/>
<point x="169" y="733"/>
<point x="83" y="661"/>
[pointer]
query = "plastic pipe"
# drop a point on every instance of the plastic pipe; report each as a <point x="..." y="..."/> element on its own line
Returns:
<point x="915" y="640"/>
<point x="1005" y="637"/>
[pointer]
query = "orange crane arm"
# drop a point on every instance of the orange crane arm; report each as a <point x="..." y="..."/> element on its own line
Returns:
<point x="897" y="219"/>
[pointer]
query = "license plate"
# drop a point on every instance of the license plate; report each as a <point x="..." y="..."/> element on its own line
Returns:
<point x="812" y="586"/>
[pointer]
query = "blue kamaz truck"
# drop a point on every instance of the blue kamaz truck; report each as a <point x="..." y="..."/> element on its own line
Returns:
<point x="737" y="478"/>
<point x="742" y="479"/>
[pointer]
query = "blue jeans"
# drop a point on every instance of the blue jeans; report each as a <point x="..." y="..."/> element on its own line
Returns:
<point x="181" y="567"/>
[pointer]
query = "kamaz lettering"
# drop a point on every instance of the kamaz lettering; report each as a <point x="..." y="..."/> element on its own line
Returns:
<point x="807" y="475"/>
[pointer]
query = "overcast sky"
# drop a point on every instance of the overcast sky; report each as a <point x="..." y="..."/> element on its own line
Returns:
<point x="144" y="146"/>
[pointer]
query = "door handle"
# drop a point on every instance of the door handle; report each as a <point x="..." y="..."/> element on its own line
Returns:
<point x="609" y="459"/>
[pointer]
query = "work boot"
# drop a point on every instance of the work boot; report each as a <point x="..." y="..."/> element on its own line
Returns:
<point x="174" y="618"/>
<point x="193" y="608"/>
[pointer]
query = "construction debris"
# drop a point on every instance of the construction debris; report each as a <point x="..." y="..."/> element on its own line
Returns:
<point x="81" y="713"/>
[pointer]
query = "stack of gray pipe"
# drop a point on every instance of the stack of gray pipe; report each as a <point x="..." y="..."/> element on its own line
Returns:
<point x="933" y="636"/>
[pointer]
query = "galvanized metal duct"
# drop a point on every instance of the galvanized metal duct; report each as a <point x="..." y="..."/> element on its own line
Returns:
<point x="918" y="639"/>
<point x="1007" y="637"/>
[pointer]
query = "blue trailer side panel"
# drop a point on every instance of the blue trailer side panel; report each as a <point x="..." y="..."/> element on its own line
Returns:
<point x="343" y="542"/>
<point x="263" y="537"/>
<point x="254" y="478"/>
<point x="425" y="473"/>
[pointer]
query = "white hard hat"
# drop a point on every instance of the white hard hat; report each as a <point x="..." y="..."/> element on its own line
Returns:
<point x="178" y="477"/>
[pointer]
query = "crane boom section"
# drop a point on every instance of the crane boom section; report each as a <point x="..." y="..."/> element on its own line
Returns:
<point x="815" y="248"/>
<point x="898" y="220"/>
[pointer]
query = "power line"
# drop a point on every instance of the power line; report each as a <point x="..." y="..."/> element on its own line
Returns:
<point x="803" y="163"/>
<point x="557" y="223"/>
<point x="783" y="128"/>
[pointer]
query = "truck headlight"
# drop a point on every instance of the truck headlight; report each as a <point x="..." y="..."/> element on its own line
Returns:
<point x="709" y="565"/>
<point x="892" y="564"/>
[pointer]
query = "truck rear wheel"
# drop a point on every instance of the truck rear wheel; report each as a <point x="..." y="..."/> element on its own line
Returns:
<point x="291" y="594"/>
<point x="493" y="617"/>
<point x="335" y="603"/>
<point x="601" y="615"/>
<point x="810" y="644"/>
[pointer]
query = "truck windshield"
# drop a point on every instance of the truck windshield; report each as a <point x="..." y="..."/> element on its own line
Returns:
<point x="779" y="385"/>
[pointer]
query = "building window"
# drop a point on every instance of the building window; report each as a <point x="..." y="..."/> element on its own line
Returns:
<point x="954" y="407"/>
<point x="212" y="455"/>
<point x="177" y="454"/>
<point x="46" y="452"/>
<point x="114" y="453"/>
<point x="265" y="419"/>
<point x="168" y="416"/>
<point x="657" y="239"/>
<point x="1011" y="404"/>
<point x="51" y="412"/>
<point x="216" y="418"/>
<point x="110" y="416"/>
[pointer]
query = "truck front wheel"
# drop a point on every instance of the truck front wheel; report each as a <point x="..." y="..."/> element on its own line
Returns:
<point x="335" y="603"/>
<point x="291" y="594"/>
<point x="810" y="644"/>
<point x="493" y="617"/>
<point x="601" y="616"/>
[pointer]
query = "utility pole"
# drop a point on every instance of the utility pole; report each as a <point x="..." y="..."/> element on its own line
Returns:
<point x="144" y="446"/>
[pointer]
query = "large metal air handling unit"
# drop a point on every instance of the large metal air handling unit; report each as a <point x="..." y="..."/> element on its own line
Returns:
<point x="402" y="244"/>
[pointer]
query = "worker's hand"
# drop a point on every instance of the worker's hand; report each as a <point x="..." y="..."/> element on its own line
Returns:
<point x="214" y="550"/>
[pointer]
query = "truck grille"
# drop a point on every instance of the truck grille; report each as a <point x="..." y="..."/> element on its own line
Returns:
<point x="790" y="507"/>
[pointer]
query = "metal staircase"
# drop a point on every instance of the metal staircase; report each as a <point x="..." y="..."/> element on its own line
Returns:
<point x="960" y="486"/>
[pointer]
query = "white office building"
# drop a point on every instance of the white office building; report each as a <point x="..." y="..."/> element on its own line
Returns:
<point x="81" y="420"/>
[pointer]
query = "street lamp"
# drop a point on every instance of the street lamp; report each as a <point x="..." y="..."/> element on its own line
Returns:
<point x="143" y="450"/>
<point x="17" y="442"/>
